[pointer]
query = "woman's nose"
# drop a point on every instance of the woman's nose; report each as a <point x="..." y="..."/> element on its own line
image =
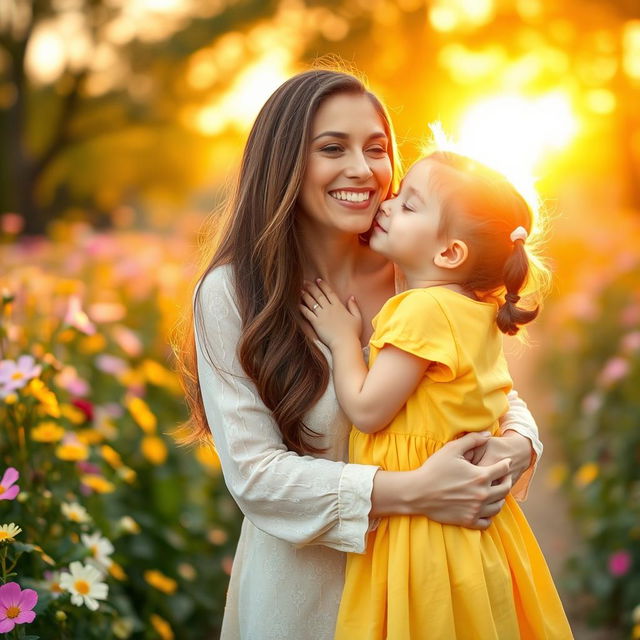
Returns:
<point x="359" y="167"/>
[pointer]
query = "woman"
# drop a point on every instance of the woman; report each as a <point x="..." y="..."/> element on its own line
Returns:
<point x="318" y="162"/>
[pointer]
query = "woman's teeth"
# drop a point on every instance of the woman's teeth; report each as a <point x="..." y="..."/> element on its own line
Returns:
<point x="351" y="196"/>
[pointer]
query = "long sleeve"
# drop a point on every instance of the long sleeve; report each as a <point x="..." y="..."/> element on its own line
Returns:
<point x="518" y="418"/>
<point x="300" y="499"/>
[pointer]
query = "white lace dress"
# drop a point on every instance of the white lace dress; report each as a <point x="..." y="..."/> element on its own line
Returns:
<point x="302" y="513"/>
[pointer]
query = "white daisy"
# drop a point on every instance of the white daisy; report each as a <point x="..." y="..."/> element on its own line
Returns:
<point x="84" y="584"/>
<point x="8" y="532"/>
<point x="75" y="512"/>
<point x="100" y="548"/>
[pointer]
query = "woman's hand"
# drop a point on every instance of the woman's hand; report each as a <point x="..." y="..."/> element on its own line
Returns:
<point x="510" y="444"/>
<point x="332" y="321"/>
<point x="447" y="488"/>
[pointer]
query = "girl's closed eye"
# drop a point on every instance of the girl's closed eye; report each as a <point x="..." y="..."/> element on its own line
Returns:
<point x="406" y="207"/>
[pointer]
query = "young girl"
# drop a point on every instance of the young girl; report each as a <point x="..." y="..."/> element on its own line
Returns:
<point x="459" y="232"/>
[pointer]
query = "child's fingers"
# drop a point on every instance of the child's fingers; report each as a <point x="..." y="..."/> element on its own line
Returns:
<point x="353" y="307"/>
<point x="325" y="287"/>
<point x="317" y="293"/>
<point x="310" y="301"/>
<point x="308" y="314"/>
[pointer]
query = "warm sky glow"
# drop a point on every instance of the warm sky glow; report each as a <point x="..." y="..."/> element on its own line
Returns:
<point x="240" y="105"/>
<point x="514" y="134"/>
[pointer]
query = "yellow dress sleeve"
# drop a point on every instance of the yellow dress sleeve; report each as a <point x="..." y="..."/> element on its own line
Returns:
<point x="417" y="323"/>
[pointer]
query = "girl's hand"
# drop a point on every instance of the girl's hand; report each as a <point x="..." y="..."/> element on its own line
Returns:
<point x="511" y="445"/>
<point x="331" y="320"/>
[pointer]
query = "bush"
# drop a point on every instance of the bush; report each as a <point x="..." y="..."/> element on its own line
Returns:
<point x="87" y="403"/>
<point x="594" y="370"/>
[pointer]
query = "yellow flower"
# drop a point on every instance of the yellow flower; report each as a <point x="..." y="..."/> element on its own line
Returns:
<point x="12" y="398"/>
<point x="47" y="558"/>
<point x="93" y="344"/>
<point x="635" y="632"/>
<point x="72" y="451"/>
<point x="73" y="414"/>
<point x="154" y="449"/>
<point x="90" y="436"/>
<point x="48" y="400"/>
<point x="161" y="626"/>
<point x="160" y="581"/>
<point x="586" y="474"/>
<point x="141" y="413"/>
<point x="8" y="532"/>
<point x="97" y="483"/>
<point x="111" y="456"/>
<point x="129" y="525"/>
<point x="67" y="335"/>
<point x="127" y="474"/>
<point x="207" y="457"/>
<point x="160" y="376"/>
<point x="117" y="571"/>
<point x="66" y="286"/>
<point x="557" y="475"/>
<point x="47" y="432"/>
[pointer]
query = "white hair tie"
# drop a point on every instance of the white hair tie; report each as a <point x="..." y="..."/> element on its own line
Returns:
<point x="519" y="233"/>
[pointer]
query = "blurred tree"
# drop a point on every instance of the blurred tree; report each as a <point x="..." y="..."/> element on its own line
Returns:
<point x="79" y="77"/>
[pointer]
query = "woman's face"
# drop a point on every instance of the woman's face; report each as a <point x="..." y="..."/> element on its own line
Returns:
<point x="349" y="170"/>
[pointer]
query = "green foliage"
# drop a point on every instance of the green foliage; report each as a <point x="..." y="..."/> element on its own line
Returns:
<point x="89" y="423"/>
<point x="595" y="374"/>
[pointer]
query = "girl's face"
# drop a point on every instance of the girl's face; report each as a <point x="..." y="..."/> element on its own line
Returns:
<point x="349" y="169"/>
<point x="406" y="227"/>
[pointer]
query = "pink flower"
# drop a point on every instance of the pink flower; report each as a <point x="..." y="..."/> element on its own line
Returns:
<point x="127" y="340"/>
<point x="592" y="402"/>
<point x="15" y="606"/>
<point x="75" y="317"/>
<point x="15" y="375"/>
<point x="111" y="364"/>
<point x="630" y="342"/>
<point x="69" y="380"/>
<point x="615" y="369"/>
<point x="619" y="563"/>
<point x="8" y="489"/>
<point x="11" y="223"/>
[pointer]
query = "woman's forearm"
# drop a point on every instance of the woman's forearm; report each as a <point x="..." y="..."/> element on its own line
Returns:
<point x="446" y="488"/>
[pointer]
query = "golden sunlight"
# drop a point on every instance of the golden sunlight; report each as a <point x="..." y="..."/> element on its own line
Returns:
<point x="240" y="105"/>
<point x="514" y="134"/>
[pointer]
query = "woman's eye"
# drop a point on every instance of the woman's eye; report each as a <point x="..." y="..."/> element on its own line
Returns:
<point x="377" y="150"/>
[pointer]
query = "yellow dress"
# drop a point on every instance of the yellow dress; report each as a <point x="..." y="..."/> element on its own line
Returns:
<point x="418" y="579"/>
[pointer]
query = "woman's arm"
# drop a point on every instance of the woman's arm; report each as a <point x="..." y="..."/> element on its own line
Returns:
<point x="520" y="442"/>
<point x="300" y="499"/>
<point x="303" y="499"/>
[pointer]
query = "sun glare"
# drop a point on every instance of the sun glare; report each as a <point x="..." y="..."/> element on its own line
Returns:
<point x="514" y="134"/>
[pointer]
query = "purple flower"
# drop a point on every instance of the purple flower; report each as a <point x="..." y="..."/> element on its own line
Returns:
<point x="619" y="563"/>
<point x="8" y="489"/>
<point x="15" y="375"/>
<point x="16" y="606"/>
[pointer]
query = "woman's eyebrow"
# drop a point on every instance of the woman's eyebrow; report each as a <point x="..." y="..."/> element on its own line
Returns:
<point x="344" y="136"/>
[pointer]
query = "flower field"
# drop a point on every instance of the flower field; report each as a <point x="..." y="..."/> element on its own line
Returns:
<point x="108" y="529"/>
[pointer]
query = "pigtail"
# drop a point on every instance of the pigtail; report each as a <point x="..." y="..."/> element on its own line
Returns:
<point x="516" y="270"/>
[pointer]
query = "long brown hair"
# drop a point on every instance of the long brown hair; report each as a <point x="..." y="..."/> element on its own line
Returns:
<point x="492" y="208"/>
<point x="261" y="245"/>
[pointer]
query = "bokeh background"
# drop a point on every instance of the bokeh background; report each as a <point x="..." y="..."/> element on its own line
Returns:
<point x="122" y="123"/>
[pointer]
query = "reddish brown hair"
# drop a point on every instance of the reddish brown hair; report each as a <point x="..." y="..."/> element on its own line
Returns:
<point x="491" y="209"/>
<point x="261" y="244"/>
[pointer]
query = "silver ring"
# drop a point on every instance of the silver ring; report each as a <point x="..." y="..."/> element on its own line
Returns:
<point x="315" y="306"/>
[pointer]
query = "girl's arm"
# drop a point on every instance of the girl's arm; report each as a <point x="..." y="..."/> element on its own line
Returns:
<point x="307" y="500"/>
<point x="370" y="398"/>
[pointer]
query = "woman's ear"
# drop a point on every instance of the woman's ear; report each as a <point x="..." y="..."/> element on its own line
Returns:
<point x="452" y="256"/>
